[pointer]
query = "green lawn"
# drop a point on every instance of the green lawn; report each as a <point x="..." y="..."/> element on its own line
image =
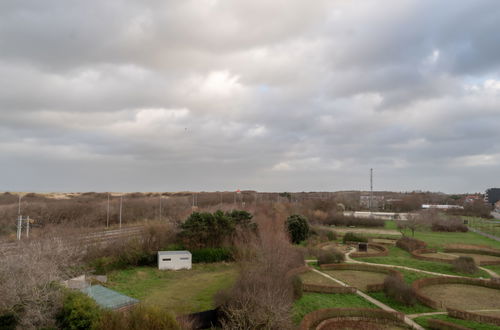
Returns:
<point x="400" y="257"/>
<point x="314" y="301"/>
<point x="417" y="308"/>
<point x="410" y="276"/>
<point x="183" y="291"/>
<point x="495" y="268"/>
<point x="438" y="239"/>
<point x="469" y="324"/>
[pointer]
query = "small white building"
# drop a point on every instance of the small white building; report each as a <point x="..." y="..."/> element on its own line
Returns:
<point x="174" y="260"/>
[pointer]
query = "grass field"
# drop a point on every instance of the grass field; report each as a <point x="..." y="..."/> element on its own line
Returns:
<point x="495" y="268"/>
<point x="400" y="257"/>
<point x="417" y="308"/>
<point x="181" y="292"/>
<point x="469" y="324"/>
<point x="314" y="301"/>
<point x="485" y="225"/>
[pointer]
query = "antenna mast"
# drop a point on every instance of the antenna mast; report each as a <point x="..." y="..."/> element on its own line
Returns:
<point x="371" y="189"/>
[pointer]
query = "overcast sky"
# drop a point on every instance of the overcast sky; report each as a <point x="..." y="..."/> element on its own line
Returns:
<point x="282" y="95"/>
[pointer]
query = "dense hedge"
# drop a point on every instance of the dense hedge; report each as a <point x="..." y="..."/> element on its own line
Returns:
<point x="464" y="315"/>
<point x="8" y="321"/>
<point x="345" y="221"/>
<point x="79" y="312"/>
<point x="311" y="320"/>
<point x="417" y="254"/>
<point x="212" y="255"/>
<point x="352" y="237"/>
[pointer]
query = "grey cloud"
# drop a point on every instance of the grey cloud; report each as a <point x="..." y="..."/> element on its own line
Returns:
<point x="283" y="95"/>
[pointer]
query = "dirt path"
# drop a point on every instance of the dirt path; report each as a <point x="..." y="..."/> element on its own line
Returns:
<point x="374" y="301"/>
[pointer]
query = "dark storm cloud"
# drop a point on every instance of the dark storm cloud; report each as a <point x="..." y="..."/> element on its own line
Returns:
<point x="281" y="95"/>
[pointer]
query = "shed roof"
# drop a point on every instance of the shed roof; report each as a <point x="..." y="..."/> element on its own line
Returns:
<point x="108" y="298"/>
<point x="164" y="253"/>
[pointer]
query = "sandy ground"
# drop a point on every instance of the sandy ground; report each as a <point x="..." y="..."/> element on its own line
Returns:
<point x="356" y="278"/>
<point x="465" y="297"/>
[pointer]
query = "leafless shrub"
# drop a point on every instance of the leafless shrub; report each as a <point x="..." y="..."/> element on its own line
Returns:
<point x="263" y="295"/>
<point x="465" y="264"/>
<point x="449" y="224"/>
<point x="29" y="280"/>
<point x="410" y="244"/>
<point x="396" y="288"/>
<point x="330" y="256"/>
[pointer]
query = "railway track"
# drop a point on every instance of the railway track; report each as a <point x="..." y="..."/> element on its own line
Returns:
<point x="98" y="237"/>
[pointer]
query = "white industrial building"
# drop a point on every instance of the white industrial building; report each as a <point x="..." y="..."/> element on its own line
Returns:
<point x="174" y="260"/>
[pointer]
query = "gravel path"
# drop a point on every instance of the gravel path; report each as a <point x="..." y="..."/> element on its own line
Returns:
<point x="484" y="234"/>
<point x="374" y="301"/>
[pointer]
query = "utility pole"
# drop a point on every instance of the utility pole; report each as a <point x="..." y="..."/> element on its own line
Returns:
<point x="28" y="227"/>
<point x="107" y="215"/>
<point x="19" y="226"/>
<point x="19" y="205"/>
<point x="371" y="189"/>
<point x="121" y="203"/>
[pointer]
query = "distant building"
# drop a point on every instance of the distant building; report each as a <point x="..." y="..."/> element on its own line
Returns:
<point x="492" y="195"/>
<point x="472" y="198"/>
<point x="377" y="201"/>
<point x="497" y="206"/>
<point x="441" y="207"/>
<point x="376" y="215"/>
<point x="174" y="260"/>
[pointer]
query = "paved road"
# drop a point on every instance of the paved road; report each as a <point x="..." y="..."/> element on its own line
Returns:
<point x="484" y="234"/>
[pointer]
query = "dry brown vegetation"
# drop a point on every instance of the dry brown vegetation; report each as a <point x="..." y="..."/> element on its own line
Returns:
<point x="263" y="294"/>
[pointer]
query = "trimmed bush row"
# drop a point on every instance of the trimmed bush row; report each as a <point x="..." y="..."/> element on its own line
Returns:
<point x="327" y="289"/>
<point x="478" y="251"/>
<point x="417" y="254"/>
<point x="444" y="325"/>
<point x="468" y="316"/>
<point x="383" y="251"/>
<point x="423" y="282"/>
<point x="363" y="267"/>
<point x="311" y="320"/>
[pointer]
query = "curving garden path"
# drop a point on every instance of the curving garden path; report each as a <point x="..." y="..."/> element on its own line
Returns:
<point x="374" y="301"/>
<point x="408" y="319"/>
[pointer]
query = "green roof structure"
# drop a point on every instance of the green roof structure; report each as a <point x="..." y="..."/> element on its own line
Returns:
<point x="108" y="298"/>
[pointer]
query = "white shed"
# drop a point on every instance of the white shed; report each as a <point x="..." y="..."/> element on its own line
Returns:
<point x="174" y="260"/>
